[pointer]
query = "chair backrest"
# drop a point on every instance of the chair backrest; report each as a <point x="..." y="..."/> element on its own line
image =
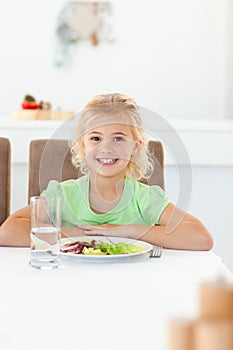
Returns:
<point x="51" y="160"/>
<point x="5" y="172"/>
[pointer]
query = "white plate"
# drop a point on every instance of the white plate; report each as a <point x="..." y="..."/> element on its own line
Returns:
<point x="146" y="246"/>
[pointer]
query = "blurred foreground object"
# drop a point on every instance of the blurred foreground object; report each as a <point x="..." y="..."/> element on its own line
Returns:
<point x="213" y="330"/>
<point x="216" y="301"/>
<point x="213" y="335"/>
<point x="181" y="334"/>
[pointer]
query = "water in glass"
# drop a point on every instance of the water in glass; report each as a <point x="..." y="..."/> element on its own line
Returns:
<point x="45" y="247"/>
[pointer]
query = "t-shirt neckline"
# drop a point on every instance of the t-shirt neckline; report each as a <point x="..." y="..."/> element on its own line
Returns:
<point x="124" y="200"/>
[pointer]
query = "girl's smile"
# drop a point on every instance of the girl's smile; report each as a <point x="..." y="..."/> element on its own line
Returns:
<point x="109" y="147"/>
<point x="107" y="161"/>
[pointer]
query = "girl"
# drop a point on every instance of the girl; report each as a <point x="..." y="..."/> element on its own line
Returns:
<point x="111" y="149"/>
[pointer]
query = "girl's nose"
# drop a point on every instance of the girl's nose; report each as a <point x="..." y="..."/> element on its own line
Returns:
<point x="106" y="147"/>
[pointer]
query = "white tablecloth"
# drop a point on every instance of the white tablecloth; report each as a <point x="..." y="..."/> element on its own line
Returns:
<point x="81" y="305"/>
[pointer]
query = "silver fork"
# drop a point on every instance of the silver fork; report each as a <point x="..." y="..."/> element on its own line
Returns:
<point x="156" y="252"/>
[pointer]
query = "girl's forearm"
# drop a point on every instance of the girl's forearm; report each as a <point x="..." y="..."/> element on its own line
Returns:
<point x="188" y="236"/>
<point x="15" y="232"/>
<point x="70" y="231"/>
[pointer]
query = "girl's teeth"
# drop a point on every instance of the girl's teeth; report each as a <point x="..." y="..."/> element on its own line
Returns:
<point x="107" y="161"/>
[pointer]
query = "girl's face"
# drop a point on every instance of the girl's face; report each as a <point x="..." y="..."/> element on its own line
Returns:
<point x="108" y="148"/>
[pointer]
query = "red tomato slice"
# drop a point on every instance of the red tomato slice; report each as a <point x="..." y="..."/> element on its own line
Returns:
<point x="30" y="105"/>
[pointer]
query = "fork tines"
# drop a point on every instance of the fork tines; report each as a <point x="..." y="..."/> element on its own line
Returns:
<point x="156" y="252"/>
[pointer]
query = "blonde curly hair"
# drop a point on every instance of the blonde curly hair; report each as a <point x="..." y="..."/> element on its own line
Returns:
<point x="102" y="108"/>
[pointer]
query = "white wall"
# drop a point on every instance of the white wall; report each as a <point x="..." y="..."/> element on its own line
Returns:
<point x="174" y="57"/>
<point x="211" y="202"/>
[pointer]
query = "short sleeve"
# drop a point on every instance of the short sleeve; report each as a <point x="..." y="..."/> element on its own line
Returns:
<point x="70" y="205"/>
<point x="154" y="203"/>
<point x="53" y="190"/>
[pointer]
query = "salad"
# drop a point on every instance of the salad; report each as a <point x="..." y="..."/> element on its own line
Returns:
<point x="100" y="248"/>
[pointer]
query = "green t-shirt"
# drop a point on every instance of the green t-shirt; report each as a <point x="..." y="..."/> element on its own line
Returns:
<point x="140" y="204"/>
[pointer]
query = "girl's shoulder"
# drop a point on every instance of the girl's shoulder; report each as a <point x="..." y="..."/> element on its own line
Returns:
<point x="75" y="186"/>
<point x="57" y="187"/>
<point x="74" y="182"/>
<point x="151" y="201"/>
<point x="147" y="195"/>
<point x="140" y="187"/>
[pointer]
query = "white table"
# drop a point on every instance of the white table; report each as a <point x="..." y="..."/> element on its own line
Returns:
<point x="120" y="305"/>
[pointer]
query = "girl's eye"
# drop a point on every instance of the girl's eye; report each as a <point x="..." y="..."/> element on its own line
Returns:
<point x="95" y="138"/>
<point x="118" y="139"/>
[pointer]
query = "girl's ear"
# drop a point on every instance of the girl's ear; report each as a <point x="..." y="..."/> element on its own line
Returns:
<point x="136" y="148"/>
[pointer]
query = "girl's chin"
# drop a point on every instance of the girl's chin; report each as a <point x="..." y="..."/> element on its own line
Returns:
<point x="107" y="166"/>
<point x="109" y="172"/>
<point x="109" y="169"/>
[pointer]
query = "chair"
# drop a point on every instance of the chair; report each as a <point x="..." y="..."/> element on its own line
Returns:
<point x="5" y="171"/>
<point x="51" y="160"/>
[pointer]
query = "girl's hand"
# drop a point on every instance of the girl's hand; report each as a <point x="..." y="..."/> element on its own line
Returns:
<point x="126" y="231"/>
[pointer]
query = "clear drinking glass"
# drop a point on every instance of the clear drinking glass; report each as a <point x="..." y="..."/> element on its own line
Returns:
<point x="45" y="232"/>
